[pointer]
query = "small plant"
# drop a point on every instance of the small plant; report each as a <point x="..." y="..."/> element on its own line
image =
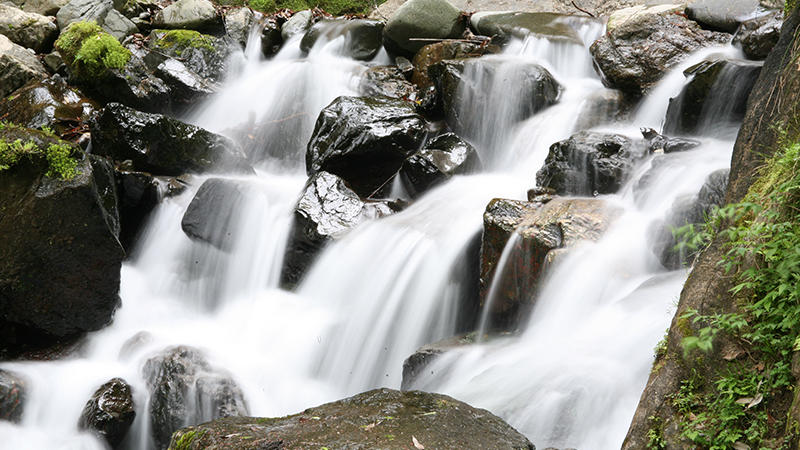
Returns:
<point x="91" y="52"/>
<point x="59" y="156"/>
<point x="60" y="162"/>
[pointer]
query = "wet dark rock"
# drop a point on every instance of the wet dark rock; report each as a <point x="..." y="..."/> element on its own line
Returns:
<point x="363" y="38"/>
<point x="212" y="215"/>
<point x="758" y="36"/>
<point x="440" y="51"/>
<point x="721" y="15"/>
<point x="110" y="412"/>
<point x="55" y="63"/>
<point x="191" y="15"/>
<point x="203" y="54"/>
<point x="505" y="25"/>
<point x="48" y="103"/>
<point x="161" y="145"/>
<point x="687" y="210"/>
<point x="537" y="86"/>
<point x="139" y="193"/>
<point x="417" y="364"/>
<point x="443" y="157"/>
<point x="433" y="420"/>
<point x="635" y="54"/>
<point x="101" y="12"/>
<point x="327" y="209"/>
<point x="421" y="19"/>
<point x="658" y="143"/>
<point x="543" y="229"/>
<point x="30" y="30"/>
<point x="589" y="163"/>
<point x="715" y="97"/>
<point x="364" y="140"/>
<point x="386" y="81"/>
<point x="271" y="39"/>
<point x="18" y="66"/>
<point x="60" y="257"/>
<point x="12" y="396"/>
<point x="186" y="389"/>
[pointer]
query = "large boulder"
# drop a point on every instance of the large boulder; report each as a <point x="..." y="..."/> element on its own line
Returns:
<point x="543" y="228"/>
<point x="212" y="214"/>
<point x="30" y="30"/>
<point x="162" y="145"/>
<point x="364" y="140"/>
<point x="715" y="97"/>
<point x="635" y="54"/>
<point x="60" y="256"/>
<point x="186" y="389"/>
<point x="363" y="38"/>
<point x="110" y="411"/>
<point x="48" y="103"/>
<point x="758" y="36"/>
<point x="505" y="25"/>
<point x="443" y="157"/>
<point x="722" y="15"/>
<point x="101" y="12"/>
<point x="386" y="81"/>
<point x="18" y="66"/>
<point x="590" y="163"/>
<point x="422" y="19"/>
<point x="12" y="396"/>
<point x="189" y="14"/>
<point x="382" y="418"/>
<point x="327" y="209"/>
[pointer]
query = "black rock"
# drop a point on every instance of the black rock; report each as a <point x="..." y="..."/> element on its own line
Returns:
<point x="162" y="145"/>
<point x="364" y="141"/>
<point x="12" y="396"/>
<point x="758" y="36"/>
<point x="203" y="54"/>
<point x="659" y="143"/>
<point x="589" y="163"/>
<point x="139" y="193"/>
<point x="271" y="39"/>
<point x="212" y="215"/>
<point x="110" y="412"/>
<point x="443" y="157"/>
<point x="363" y="38"/>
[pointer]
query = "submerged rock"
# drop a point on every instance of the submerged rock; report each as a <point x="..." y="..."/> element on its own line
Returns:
<point x="29" y="30"/>
<point x="589" y="163"/>
<point x="363" y="38"/>
<point x="505" y="25"/>
<point x="636" y="53"/>
<point x="186" y="389"/>
<point x="443" y="157"/>
<point x="18" y="66"/>
<point x="12" y="396"/>
<point x="364" y="141"/>
<point x="110" y="412"/>
<point x="417" y="364"/>
<point x="722" y="15"/>
<point x="382" y="418"/>
<point x="758" y="36"/>
<point x="161" y="145"/>
<point x="48" y="103"/>
<point x="212" y="215"/>
<point x="327" y="209"/>
<point x="417" y="20"/>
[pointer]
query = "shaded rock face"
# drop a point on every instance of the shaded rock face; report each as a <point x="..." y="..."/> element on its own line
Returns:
<point x="421" y="19"/>
<point x="758" y="36"/>
<point x="536" y="231"/>
<point x="101" y="12"/>
<point x="185" y="389"/>
<point x="212" y="215"/>
<point x="59" y="251"/>
<point x="162" y="145"/>
<point x="364" y="141"/>
<point x="386" y="81"/>
<point x="139" y="193"/>
<point x="189" y="14"/>
<point x="327" y="209"/>
<point x="692" y="209"/>
<point x="636" y="54"/>
<point x="433" y="420"/>
<point x="443" y="157"/>
<point x="440" y="51"/>
<point x="29" y="30"/>
<point x="715" y="100"/>
<point x="12" y="396"/>
<point x="18" y="66"/>
<point x="506" y="25"/>
<point x="271" y="38"/>
<point x="589" y="163"/>
<point x="416" y="365"/>
<point x="48" y="103"/>
<point x="363" y="38"/>
<point x="110" y="412"/>
<point x="722" y="15"/>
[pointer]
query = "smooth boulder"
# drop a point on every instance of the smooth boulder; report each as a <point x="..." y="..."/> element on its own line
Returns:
<point x="443" y="157"/>
<point x="507" y="25"/>
<point x="30" y="30"/>
<point x="417" y="20"/>
<point x="382" y="418"/>
<point x="363" y="38"/>
<point x="237" y="24"/>
<point x="162" y="145"/>
<point x="186" y="389"/>
<point x="189" y="14"/>
<point x="12" y="396"/>
<point x="101" y="12"/>
<point x="18" y="66"/>
<point x="722" y="15"/>
<point x="213" y="212"/>
<point x="364" y="141"/>
<point x="110" y="411"/>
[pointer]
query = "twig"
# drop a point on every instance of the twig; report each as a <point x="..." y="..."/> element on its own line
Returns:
<point x="582" y="10"/>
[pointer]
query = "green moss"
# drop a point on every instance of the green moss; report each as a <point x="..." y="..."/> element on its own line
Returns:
<point x="186" y="439"/>
<point x="91" y="52"/>
<point x="791" y="5"/>
<point x="59" y="156"/>
<point x="178" y="40"/>
<point x="335" y="7"/>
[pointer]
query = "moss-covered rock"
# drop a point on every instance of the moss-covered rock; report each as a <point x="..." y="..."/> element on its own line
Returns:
<point x="90" y="52"/>
<point x="203" y="54"/>
<point x="382" y="418"/>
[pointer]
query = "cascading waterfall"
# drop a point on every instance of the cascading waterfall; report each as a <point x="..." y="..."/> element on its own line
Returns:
<point x="390" y="285"/>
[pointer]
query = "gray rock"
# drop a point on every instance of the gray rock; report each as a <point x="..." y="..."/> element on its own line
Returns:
<point x="18" y="66"/>
<point x="44" y="7"/>
<point x="298" y="24"/>
<point x="12" y="396"/>
<point x="110" y="412"/>
<point x="422" y="19"/>
<point x="386" y="81"/>
<point x="556" y="27"/>
<point x="30" y="30"/>
<point x="758" y="36"/>
<point x="205" y="55"/>
<point x="238" y="22"/>
<point x="189" y="14"/>
<point x="722" y="15"/>
<point x="443" y="157"/>
<point x="212" y="215"/>
<point x="101" y="12"/>
<point x="363" y="38"/>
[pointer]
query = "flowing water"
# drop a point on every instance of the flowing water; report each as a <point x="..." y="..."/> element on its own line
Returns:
<point x="571" y="377"/>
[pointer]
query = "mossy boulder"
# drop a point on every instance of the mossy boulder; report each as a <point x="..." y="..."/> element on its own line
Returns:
<point x="382" y="418"/>
<point x="422" y="19"/>
<point x="203" y="54"/>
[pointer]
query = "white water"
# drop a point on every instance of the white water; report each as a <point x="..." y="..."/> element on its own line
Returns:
<point x="572" y="378"/>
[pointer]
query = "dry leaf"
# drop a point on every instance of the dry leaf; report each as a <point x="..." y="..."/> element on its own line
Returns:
<point x="744" y="400"/>
<point x="756" y="400"/>
<point x="417" y="444"/>
<point x="369" y="427"/>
